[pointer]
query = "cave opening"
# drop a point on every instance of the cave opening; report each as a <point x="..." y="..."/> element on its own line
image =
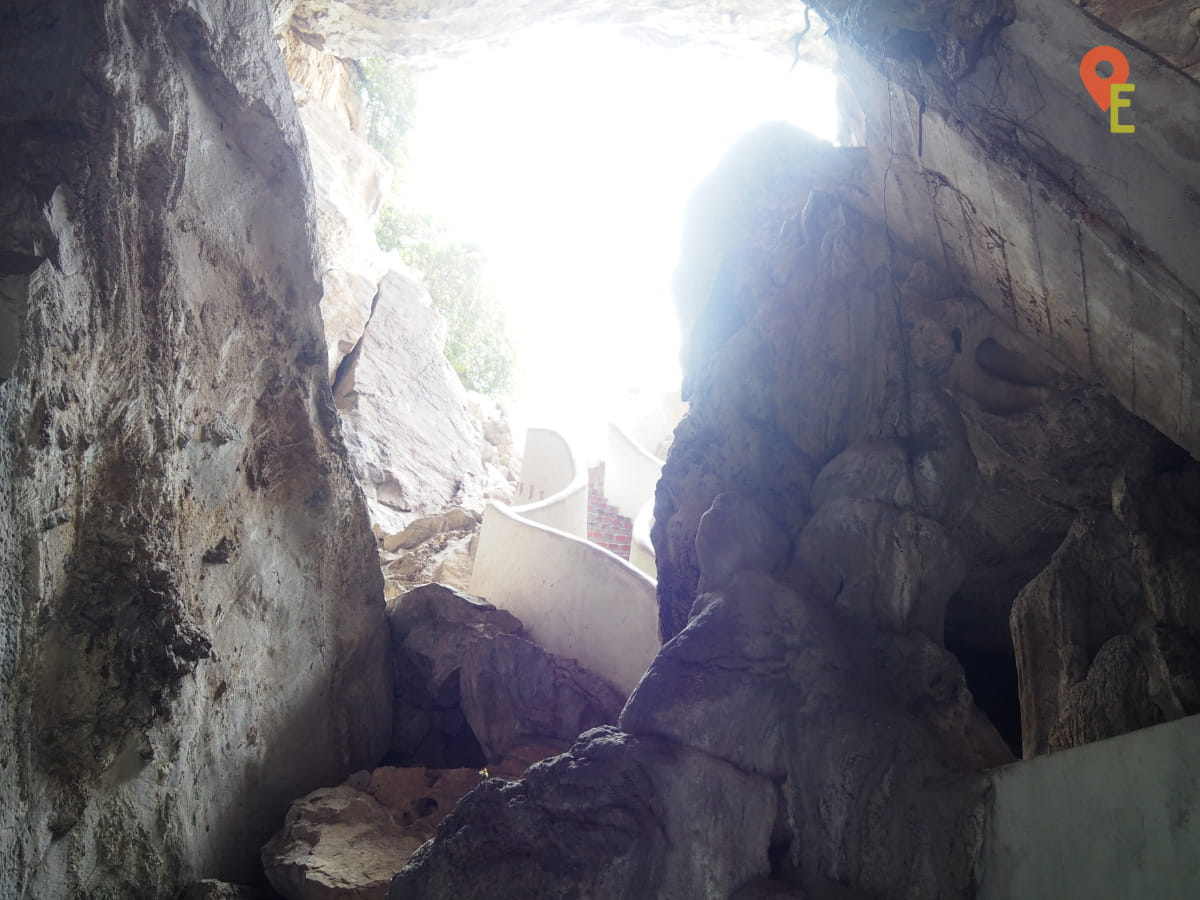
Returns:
<point x="566" y="156"/>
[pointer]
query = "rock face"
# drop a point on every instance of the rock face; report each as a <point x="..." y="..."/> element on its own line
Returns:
<point x="370" y="27"/>
<point x="1107" y="641"/>
<point x="432" y="626"/>
<point x="1171" y="28"/>
<point x="418" y="441"/>
<point x="188" y="582"/>
<point x="516" y="696"/>
<point x="346" y="842"/>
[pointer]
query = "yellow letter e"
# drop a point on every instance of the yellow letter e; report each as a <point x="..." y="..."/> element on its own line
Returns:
<point x="1116" y="103"/>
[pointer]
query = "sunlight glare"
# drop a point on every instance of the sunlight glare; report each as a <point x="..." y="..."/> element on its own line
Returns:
<point x="568" y="156"/>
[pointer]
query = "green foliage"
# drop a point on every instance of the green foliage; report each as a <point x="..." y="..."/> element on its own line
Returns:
<point x="389" y="93"/>
<point x="477" y="341"/>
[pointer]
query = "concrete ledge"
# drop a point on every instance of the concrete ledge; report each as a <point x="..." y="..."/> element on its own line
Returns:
<point x="1114" y="820"/>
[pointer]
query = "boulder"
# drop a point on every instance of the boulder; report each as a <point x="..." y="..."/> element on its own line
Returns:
<point x="617" y="816"/>
<point x="337" y="844"/>
<point x="346" y="842"/>
<point x="432" y="626"/>
<point x="514" y="692"/>
<point x="418" y="798"/>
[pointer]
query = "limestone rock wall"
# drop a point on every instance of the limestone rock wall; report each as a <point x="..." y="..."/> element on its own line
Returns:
<point x="419" y="443"/>
<point x="192" y="617"/>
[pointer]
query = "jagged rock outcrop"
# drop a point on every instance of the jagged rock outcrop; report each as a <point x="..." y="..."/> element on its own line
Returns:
<point x="189" y="588"/>
<point x="617" y="816"/>
<point x="1106" y="639"/>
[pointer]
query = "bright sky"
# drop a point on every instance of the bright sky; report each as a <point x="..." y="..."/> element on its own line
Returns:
<point x="568" y="156"/>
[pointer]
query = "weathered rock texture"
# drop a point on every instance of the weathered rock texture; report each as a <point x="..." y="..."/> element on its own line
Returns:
<point x="618" y="816"/>
<point x="189" y="592"/>
<point x="904" y="414"/>
<point x="925" y="378"/>
<point x="347" y="842"/>
<point x="418" y="441"/>
<point x="432" y="626"/>
<point x="516" y="696"/>
<point x="1171" y="28"/>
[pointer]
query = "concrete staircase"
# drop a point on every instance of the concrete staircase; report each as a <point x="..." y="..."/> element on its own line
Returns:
<point x="605" y="526"/>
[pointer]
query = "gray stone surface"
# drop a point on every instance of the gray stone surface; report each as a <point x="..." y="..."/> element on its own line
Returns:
<point x="514" y="693"/>
<point x="432" y="626"/>
<point x="617" y="816"/>
<point x="189" y="589"/>
<point x="1078" y="237"/>
<point x="418" y="441"/>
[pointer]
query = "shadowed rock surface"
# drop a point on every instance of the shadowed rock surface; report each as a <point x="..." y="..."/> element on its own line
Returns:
<point x="189" y="588"/>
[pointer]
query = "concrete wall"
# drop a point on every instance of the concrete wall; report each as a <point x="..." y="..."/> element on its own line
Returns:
<point x="575" y="599"/>
<point x="650" y="419"/>
<point x="553" y="488"/>
<point x="630" y="472"/>
<point x="641" y="548"/>
<point x="1116" y="819"/>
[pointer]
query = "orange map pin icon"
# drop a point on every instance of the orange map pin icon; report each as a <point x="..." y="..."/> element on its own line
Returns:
<point x="1098" y="85"/>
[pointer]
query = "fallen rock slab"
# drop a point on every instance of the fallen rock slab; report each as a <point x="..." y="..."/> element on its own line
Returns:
<point x="347" y="842"/>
